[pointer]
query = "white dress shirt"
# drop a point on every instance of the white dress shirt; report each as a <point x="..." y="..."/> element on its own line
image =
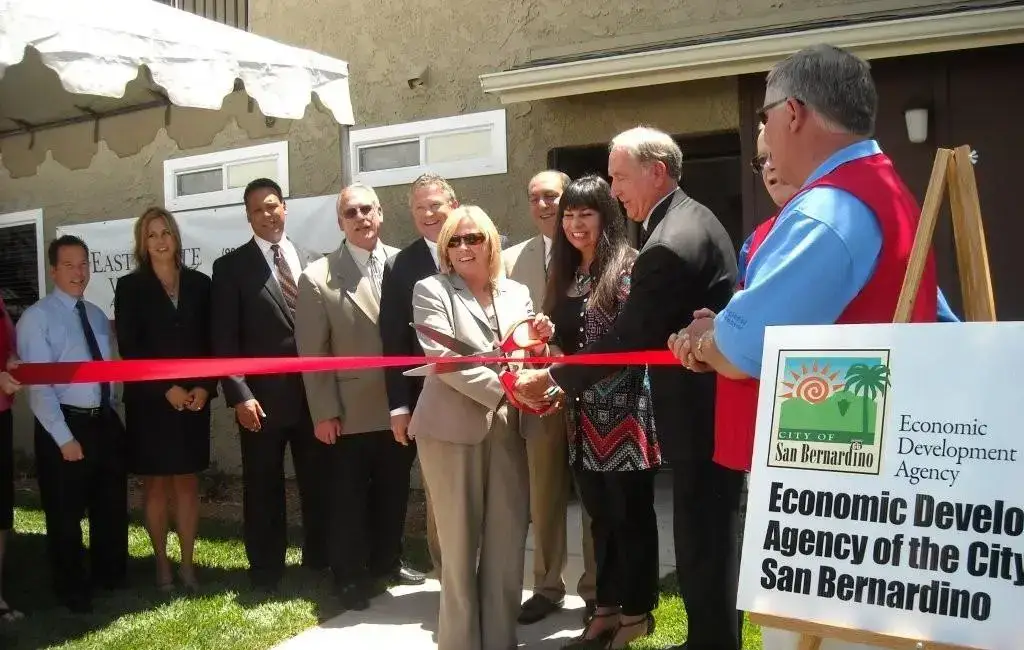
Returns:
<point x="290" y="256"/>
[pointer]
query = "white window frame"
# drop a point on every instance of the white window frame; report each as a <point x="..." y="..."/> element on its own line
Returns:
<point x="278" y="151"/>
<point x="31" y="217"/>
<point x="496" y="163"/>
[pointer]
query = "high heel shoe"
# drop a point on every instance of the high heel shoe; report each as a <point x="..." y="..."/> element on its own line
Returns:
<point x="598" y="642"/>
<point x="647" y="620"/>
<point x="188" y="580"/>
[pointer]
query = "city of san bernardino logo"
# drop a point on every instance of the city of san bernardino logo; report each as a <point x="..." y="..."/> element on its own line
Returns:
<point x="829" y="411"/>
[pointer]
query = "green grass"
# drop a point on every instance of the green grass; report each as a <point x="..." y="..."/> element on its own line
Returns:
<point x="225" y="615"/>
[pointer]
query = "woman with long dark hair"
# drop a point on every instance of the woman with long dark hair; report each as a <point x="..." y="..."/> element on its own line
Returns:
<point x="613" y="450"/>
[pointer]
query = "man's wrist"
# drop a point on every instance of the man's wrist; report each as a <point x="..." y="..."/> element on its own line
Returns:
<point x="401" y="410"/>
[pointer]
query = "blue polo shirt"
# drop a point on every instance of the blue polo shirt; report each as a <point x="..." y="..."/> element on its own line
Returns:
<point x="818" y="256"/>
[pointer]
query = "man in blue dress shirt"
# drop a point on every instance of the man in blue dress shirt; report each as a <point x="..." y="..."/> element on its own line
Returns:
<point x="79" y="438"/>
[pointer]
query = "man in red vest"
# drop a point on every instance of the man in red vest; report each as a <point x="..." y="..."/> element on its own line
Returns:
<point x="836" y="252"/>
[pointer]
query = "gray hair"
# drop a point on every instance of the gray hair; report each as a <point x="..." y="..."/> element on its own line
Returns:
<point x="649" y="145"/>
<point x="836" y="85"/>
<point x="358" y="186"/>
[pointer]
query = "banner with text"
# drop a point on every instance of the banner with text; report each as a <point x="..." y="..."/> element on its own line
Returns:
<point x="887" y="492"/>
<point x="206" y="235"/>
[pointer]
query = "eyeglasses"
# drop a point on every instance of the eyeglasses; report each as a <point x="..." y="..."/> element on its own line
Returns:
<point x="762" y="113"/>
<point x="471" y="239"/>
<point x="350" y="213"/>
<point x="758" y="162"/>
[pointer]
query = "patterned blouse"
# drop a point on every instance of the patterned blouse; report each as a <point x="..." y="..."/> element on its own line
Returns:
<point x="610" y="424"/>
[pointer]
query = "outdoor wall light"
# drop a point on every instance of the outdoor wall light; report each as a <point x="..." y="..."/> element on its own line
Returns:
<point x="917" y="124"/>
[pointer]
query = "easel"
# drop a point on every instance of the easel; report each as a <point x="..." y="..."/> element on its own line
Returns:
<point x="953" y="170"/>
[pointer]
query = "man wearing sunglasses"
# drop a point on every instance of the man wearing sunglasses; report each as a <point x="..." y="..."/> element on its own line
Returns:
<point x="367" y="478"/>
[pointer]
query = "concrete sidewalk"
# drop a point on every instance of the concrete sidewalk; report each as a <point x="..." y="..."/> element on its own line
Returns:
<point x="406" y="617"/>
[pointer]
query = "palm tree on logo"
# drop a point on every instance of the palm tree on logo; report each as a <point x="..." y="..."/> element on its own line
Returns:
<point x="869" y="381"/>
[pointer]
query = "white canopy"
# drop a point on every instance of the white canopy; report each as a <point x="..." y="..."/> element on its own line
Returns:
<point x="96" y="48"/>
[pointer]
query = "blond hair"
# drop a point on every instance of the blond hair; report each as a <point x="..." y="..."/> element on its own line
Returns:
<point x="142" y="223"/>
<point x="431" y="179"/>
<point x="486" y="226"/>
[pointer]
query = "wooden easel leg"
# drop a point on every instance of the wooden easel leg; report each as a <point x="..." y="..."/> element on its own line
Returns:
<point x="969" y="233"/>
<point x="809" y="642"/>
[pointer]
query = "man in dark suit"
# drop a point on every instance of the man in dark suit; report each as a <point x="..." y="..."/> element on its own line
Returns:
<point x="253" y="313"/>
<point x="686" y="262"/>
<point x="430" y="200"/>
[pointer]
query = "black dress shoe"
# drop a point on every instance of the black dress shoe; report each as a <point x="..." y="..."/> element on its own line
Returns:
<point x="407" y="576"/>
<point x="79" y="604"/>
<point x="538" y="608"/>
<point x="352" y="596"/>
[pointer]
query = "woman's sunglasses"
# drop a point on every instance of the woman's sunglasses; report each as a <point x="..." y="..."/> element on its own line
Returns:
<point x="471" y="239"/>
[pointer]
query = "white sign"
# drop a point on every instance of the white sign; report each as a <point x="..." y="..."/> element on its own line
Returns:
<point x="205" y="235"/>
<point x="887" y="492"/>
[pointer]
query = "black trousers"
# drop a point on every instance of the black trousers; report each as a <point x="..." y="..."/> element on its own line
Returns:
<point x="6" y="470"/>
<point x="625" y="531"/>
<point x="707" y="525"/>
<point x="97" y="485"/>
<point x="369" y="496"/>
<point x="265" y="522"/>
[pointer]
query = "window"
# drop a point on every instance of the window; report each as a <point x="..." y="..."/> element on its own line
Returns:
<point x="454" y="147"/>
<point x="219" y="178"/>
<point x="23" y="264"/>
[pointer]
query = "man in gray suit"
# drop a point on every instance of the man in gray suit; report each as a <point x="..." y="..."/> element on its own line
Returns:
<point x="547" y="447"/>
<point x="367" y="478"/>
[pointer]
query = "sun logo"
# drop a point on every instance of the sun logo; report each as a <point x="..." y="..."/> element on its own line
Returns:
<point x="815" y="385"/>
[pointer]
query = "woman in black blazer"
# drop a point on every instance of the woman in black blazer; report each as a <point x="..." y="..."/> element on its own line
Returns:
<point x="162" y="311"/>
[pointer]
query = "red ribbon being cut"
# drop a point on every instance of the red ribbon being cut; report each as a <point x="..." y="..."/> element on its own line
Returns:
<point x="85" y="372"/>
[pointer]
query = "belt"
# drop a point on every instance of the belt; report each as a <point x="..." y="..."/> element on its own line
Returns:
<point x="93" y="412"/>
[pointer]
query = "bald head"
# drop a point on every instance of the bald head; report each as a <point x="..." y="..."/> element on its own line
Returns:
<point x="544" y="191"/>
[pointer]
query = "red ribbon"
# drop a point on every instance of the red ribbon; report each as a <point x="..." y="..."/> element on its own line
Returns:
<point x="86" y="372"/>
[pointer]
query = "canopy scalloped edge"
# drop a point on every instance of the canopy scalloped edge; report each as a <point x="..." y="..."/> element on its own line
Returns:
<point x="97" y="47"/>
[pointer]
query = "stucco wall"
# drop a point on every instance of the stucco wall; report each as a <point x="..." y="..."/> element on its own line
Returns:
<point x="383" y="40"/>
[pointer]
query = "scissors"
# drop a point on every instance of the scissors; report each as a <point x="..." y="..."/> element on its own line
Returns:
<point x="509" y="356"/>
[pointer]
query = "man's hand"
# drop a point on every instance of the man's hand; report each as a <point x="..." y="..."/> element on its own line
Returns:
<point x="400" y="428"/>
<point x="327" y="431"/>
<point x="249" y="413"/>
<point x="532" y="386"/>
<point x="178" y="397"/>
<point x="683" y="342"/>
<point x="72" y="451"/>
<point x="197" y="399"/>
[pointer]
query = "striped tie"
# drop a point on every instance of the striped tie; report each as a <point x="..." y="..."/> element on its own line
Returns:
<point x="285" y="278"/>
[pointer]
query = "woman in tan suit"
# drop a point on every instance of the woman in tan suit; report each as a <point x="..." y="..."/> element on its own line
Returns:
<point x="472" y="456"/>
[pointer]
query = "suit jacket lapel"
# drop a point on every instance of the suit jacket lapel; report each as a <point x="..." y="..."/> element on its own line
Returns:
<point x="660" y="212"/>
<point x="533" y="258"/>
<point x="270" y="284"/>
<point x="465" y="296"/>
<point x="355" y="284"/>
<point x="426" y="260"/>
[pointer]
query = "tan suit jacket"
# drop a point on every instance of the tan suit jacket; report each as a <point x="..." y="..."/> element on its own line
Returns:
<point x="337" y="315"/>
<point x="524" y="263"/>
<point x="459" y="407"/>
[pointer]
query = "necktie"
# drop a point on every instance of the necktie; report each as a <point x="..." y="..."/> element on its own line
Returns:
<point x="94" y="349"/>
<point x="373" y="266"/>
<point x="285" y="278"/>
